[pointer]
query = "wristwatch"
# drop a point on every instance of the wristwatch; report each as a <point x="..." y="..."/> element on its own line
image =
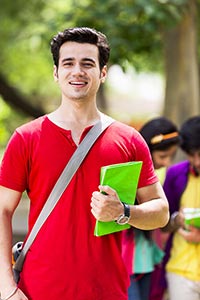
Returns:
<point x="125" y="217"/>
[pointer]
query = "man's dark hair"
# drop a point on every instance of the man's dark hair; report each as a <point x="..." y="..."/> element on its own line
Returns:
<point x="81" y="35"/>
<point x="156" y="128"/>
<point x="190" y="135"/>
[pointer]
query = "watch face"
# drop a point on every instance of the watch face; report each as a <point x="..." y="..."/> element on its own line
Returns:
<point x="123" y="220"/>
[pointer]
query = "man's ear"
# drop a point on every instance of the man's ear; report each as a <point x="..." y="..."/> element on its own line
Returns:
<point x="55" y="73"/>
<point x="103" y="74"/>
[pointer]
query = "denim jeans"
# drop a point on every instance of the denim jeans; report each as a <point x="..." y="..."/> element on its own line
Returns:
<point x="140" y="287"/>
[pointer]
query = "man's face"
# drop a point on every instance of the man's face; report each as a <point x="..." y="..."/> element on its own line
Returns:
<point x="78" y="72"/>
<point x="194" y="159"/>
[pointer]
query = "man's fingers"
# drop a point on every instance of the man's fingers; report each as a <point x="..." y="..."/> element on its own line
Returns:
<point x="107" y="190"/>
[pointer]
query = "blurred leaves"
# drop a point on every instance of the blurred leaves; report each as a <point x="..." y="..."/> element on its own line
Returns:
<point x="133" y="28"/>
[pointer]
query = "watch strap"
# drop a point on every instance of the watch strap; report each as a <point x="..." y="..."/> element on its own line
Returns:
<point x="126" y="210"/>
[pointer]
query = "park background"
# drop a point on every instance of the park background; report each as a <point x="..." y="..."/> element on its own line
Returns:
<point x="153" y="69"/>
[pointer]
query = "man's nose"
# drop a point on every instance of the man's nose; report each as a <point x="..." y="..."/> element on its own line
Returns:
<point x="77" y="69"/>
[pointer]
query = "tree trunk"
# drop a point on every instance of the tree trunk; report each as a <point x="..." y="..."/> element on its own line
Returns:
<point x="182" y="76"/>
<point x="16" y="100"/>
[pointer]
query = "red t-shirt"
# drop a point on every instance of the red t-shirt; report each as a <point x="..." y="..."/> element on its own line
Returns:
<point x="66" y="261"/>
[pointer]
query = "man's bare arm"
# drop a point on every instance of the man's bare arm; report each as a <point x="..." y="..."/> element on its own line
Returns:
<point x="9" y="200"/>
<point x="152" y="211"/>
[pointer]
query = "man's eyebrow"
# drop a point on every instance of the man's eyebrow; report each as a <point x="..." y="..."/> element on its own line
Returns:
<point x="67" y="59"/>
<point x="89" y="59"/>
<point x="84" y="59"/>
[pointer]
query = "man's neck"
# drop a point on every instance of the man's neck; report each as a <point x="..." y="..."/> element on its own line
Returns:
<point x="76" y="119"/>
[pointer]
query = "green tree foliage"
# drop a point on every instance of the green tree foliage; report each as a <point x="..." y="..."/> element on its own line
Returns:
<point x="25" y="59"/>
<point x="134" y="27"/>
<point x="26" y="65"/>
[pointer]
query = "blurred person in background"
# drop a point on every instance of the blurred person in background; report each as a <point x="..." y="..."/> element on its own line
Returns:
<point x="142" y="249"/>
<point x="182" y="187"/>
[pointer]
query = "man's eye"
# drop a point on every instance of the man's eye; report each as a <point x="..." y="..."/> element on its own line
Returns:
<point x="88" y="65"/>
<point x="67" y="64"/>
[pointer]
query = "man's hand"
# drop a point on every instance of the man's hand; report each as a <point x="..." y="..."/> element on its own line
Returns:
<point x="18" y="295"/>
<point x="106" y="205"/>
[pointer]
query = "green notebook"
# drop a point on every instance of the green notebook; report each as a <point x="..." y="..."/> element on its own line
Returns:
<point x="124" y="179"/>
<point x="192" y="216"/>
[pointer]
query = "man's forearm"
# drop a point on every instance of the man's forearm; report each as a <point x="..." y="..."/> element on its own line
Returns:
<point x="6" y="276"/>
<point x="150" y="215"/>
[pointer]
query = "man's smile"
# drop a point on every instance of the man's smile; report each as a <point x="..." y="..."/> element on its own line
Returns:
<point x="78" y="83"/>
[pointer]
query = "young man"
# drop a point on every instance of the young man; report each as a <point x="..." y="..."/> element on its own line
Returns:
<point x="66" y="261"/>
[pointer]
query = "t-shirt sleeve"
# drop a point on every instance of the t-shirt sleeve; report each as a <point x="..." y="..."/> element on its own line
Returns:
<point x="14" y="164"/>
<point x="142" y="153"/>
